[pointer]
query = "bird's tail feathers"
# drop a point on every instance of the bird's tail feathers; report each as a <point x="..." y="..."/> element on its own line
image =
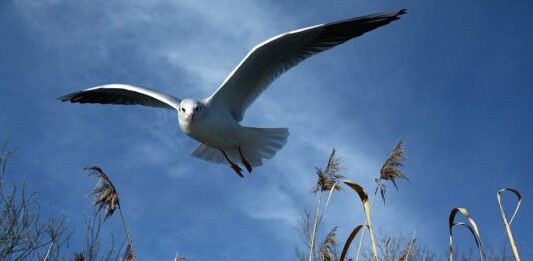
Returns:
<point x="259" y="143"/>
<point x="255" y="143"/>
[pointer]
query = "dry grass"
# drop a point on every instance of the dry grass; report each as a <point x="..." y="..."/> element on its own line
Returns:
<point x="472" y="227"/>
<point x="104" y="192"/>
<point x="329" y="178"/>
<point x="129" y="254"/>
<point x="504" y="217"/>
<point x="366" y="208"/>
<point x="407" y="253"/>
<point x="328" y="248"/>
<point x="390" y="170"/>
<point x="107" y="198"/>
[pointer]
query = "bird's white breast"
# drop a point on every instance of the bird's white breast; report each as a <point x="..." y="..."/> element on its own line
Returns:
<point x="213" y="128"/>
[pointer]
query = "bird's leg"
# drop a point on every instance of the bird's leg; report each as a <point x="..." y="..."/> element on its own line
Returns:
<point x="245" y="162"/>
<point x="234" y="166"/>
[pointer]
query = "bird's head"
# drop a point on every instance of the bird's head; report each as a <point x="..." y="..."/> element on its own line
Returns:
<point x="189" y="110"/>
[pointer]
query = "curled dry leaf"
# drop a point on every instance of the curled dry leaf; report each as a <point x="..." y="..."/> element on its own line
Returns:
<point x="349" y="241"/>
<point x="364" y="199"/>
<point x="504" y="217"/>
<point x="472" y="227"/>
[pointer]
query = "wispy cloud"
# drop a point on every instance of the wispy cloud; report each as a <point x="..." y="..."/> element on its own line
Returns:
<point x="187" y="48"/>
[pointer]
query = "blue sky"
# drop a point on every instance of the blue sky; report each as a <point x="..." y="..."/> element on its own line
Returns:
<point x="451" y="77"/>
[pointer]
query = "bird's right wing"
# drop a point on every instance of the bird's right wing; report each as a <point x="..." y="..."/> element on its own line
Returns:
<point x="123" y="94"/>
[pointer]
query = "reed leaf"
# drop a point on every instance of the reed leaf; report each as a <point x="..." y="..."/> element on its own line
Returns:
<point x="508" y="224"/>
<point x="472" y="227"/>
<point x="349" y="241"/>
<point x="364" y="199"/>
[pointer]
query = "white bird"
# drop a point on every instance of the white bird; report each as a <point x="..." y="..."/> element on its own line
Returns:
<point x="214" y="121"/>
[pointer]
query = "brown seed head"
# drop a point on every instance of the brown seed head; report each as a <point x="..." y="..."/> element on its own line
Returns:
<point x="105" y="194"/>
<point x="79" y="257"/>
<point x="328" y="249"/>
<point x="330" y="176"/>
<point x="129" y="255"/>
<point x="390" y="170"/>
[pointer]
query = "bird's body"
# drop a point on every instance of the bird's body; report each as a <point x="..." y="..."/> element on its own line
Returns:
<point x="216" y="128"/>
<point x="215" y="121"/>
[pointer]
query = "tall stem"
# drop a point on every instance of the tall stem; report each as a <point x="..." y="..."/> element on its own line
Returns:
<point x="126" y="231"/>
<point x="315" y="225"/>
<point x="48" y="252"/>
<point x="366" y="223"/>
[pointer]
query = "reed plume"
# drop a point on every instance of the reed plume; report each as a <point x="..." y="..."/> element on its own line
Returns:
<point x="129" y="255"/>
<point x="79" y="257"/>
<point x="106" y="198"/>
<point x="328" y="180"/>
<point x="104" y="192"/>
<point x="390" y="170"/>
<point x="328" y="248"/>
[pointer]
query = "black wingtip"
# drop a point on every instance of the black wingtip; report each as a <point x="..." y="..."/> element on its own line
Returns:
<point x="63" y="98"/>
<point x="68" y="97"/>
<point x="401" y="12"/>
<point x="395" y="14"/>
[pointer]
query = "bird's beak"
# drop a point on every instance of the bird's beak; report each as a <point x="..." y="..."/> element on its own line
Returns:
<point x="190" y="117"/>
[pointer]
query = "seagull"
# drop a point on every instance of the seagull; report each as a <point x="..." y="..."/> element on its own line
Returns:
<point x="215" y="120"/>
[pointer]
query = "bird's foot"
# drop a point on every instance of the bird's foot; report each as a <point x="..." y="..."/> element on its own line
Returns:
<point x="245" y="162"/>
<point x="237" y="169"/>
<point x="234" y="166"/>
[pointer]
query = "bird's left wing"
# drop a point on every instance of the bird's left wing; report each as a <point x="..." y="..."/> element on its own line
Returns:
<point x="123" y="94"/>
<point x="270" y="59"/>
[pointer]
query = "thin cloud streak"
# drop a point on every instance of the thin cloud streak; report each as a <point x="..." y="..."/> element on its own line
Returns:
<point x="187" y="48"/>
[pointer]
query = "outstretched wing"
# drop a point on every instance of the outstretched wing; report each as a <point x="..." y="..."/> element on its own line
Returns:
<point x="123" y="94"/>
<point x="270" y="59"/>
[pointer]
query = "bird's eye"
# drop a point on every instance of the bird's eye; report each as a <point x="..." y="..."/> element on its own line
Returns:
<point x="183" y="109"/>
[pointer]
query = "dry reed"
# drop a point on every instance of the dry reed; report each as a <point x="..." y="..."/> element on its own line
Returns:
<point x="364" y="200"/>
<point x="328" y="248"/>
<point x="107" y="198"/>
<point x="390" y="170"/>
<point x="406" y="254"/>
<point x="472" y="227"/>
<point x="328" y="180"/>
<point x="329" y="177"/>
<point x="129" y="254"/>
<point x="508" y="223"/>
<point x="349" y="241"/>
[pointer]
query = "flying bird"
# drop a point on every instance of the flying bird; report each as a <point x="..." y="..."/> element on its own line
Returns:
<point x="214" y="121"/>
